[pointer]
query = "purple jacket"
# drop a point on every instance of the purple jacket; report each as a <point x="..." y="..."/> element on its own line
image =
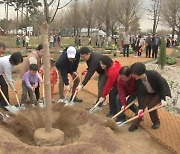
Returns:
<point x="30" y="79"/>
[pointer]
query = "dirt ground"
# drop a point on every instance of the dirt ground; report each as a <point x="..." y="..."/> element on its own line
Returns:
<point x="84" y="133"/>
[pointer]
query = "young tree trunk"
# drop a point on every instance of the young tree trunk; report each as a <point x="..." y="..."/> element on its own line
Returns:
<point x="17" y="20"/>
<point x="46" y="63"/>
<point x="22" y="9"/>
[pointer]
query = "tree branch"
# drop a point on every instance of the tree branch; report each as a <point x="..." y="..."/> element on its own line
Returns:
<point x="65" y="4"/>
<point x="50" y="3"/>
<point x="55" y="11"/>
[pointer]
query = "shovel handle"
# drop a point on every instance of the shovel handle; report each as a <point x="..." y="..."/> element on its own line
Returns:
<point x="74" y="95"/>
<point x="4" y="97"/>
<point x="17" y="98"/>
<point x="150" y="110"/>
<point x="123" y="110"/>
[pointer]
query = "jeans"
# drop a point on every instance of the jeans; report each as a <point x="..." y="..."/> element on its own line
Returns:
<point x="133" y="107"/>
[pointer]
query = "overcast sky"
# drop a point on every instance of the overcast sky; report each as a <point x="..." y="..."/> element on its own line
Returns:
<point x="145" y="23"/>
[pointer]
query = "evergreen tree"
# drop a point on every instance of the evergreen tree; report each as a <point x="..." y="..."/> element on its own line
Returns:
<point x="162" y="55"/>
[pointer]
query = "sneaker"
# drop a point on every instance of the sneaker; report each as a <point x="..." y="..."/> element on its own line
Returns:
<point x="23" y="106"/>
<point x="32" y="105"/>
<point x="155" y="125"/>
<point x="61" y="100"/>
<point x="132" y="128"/>
<point x="69" y="104"/>
<point x="39" y="101"/>
<point x="76" y="99"/>
<point x="120" y="119"/>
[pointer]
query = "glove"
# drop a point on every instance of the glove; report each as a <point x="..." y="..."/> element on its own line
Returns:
<point x="74" y="75"/>
<point x="79" y="88"/>
<point x="163" y="103"/>
<point x="123" y="108"/>
<point x="101" y="99"/>
<point x="140" y="113"/>
<point x="68" y="88"/>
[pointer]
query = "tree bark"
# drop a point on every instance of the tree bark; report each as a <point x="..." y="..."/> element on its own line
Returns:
<point x="46" y="63"/>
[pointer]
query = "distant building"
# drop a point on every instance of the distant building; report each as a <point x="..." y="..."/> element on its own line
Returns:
<point x="93" y="32"/>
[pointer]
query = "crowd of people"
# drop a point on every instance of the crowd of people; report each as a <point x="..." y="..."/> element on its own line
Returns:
<point x="123" y="84"/>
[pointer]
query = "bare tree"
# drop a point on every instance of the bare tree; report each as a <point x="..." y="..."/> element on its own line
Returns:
<point x="88" y="14"/>
<point x="154" y="10"/>
<point x="171" y="14"/>
<point x="127" y="11"/>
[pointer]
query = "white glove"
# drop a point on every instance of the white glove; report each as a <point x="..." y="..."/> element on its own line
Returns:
<point x="164" y="103"/>
<point x="123" y="107"/>
<point x="68" y="88"/>
<point x="101" y="99"/>
<point x="79" y="88"/>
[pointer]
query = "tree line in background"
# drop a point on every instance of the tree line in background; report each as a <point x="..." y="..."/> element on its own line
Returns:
<point x="105" y="15"/>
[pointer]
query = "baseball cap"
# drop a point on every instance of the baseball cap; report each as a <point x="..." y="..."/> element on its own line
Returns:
<point x="71" y="52"/>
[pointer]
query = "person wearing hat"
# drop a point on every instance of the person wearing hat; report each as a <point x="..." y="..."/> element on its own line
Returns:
<point x="2" y="48"/>
<point x="67" y="64"/>
<point x="6" y="66"/>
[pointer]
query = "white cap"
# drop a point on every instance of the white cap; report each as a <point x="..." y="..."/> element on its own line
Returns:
<point x="71" y="52"/>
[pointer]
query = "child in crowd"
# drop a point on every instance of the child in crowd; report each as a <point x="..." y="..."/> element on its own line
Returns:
<point x="29" y="83"/>
<point x="53" y="77"/>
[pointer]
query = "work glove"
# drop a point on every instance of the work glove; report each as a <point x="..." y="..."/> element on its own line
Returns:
<point x="101" y="99"/>
<point x="68" y="88"/>
<point x="140" y="113"/>
<point x="74" y="75"/>
<point x="164" y="103"/>
<point x="79" y="88"/>
<point x="123" y="108"/>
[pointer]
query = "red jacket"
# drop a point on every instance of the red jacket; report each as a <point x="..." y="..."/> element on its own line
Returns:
<point x="126" y="88"/>
<point x="112" y="75"/>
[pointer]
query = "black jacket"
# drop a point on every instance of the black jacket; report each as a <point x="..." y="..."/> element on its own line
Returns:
<point x="65" y="66"/>
<point x="158" y="84"/>
<point x="93" y="66"/>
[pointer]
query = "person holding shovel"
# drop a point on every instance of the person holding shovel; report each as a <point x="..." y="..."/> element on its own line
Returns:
<point x="152" y="89"/>
<point x="112" y="71"/>
<point x="6" y="66"/>
<point x="93" y="62"/>
<point x="29" y="83"/>
<point x="67" y="64"/>
<point x="2" y="48"/>
<point x="34" y="57"/>
<point x="126" y="88"/>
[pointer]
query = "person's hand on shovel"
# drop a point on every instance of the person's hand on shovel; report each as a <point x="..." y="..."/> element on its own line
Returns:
<point x="140" y="113"/>
<point x="68" y="88"/>
<point x="74" y="75"/>
<point x="79" y="87"/>
<point x="123" y="108"/>
<point x="101" y="99"/>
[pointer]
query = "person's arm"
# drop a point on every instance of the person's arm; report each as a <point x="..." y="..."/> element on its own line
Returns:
<point x="140" y="93"/>
<point x="26" y="80"/>
<point x="36" y="80"/>
<point x="121" y="92"/>
<point x="8" y="76"/>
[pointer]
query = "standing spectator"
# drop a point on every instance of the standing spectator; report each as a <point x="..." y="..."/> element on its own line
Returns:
<point x="27" y="39"/>
<point x="93" y="62"/>
<point x="155" y="44"/>
<point x="67" y="64"/>
<point x="51" y="41"/>
<point x="2" y="48"/>
<point x="97" y="41"/>
<point x="109" y="41"/>
<point x="6" y="66"/>
<point x="79" y="41"/>
<point x="112" y="71"/>
<point x="18" y="42"/>
<point x="141" y="45"/>
<point x="89" y="41"/>
<point x="126" y="88"/>
<point x="23" y="41"/>
<point x="59" y="41"/>
<point x="34" y="57"/>
<point x="138" y="45"/>
<point x="29" y="83"/>
<point x="126" y="41"/>
<point x="148" y="43"/>
<point x="152" y="89"/>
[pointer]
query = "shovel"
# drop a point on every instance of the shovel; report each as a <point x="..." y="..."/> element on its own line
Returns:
<point x="17" y="99"/>
<point x="43" y="103"/>
<point x="93" y="108"/>
<point x="117" y="114"/>
<point x="9" y="107"/>
<point x="136" y="117"/>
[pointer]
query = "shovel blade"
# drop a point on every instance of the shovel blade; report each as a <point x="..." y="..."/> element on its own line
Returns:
<point x="12" y="109"/>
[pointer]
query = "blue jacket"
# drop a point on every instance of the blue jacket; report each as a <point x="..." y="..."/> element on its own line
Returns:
<point x="65" y="66"/>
